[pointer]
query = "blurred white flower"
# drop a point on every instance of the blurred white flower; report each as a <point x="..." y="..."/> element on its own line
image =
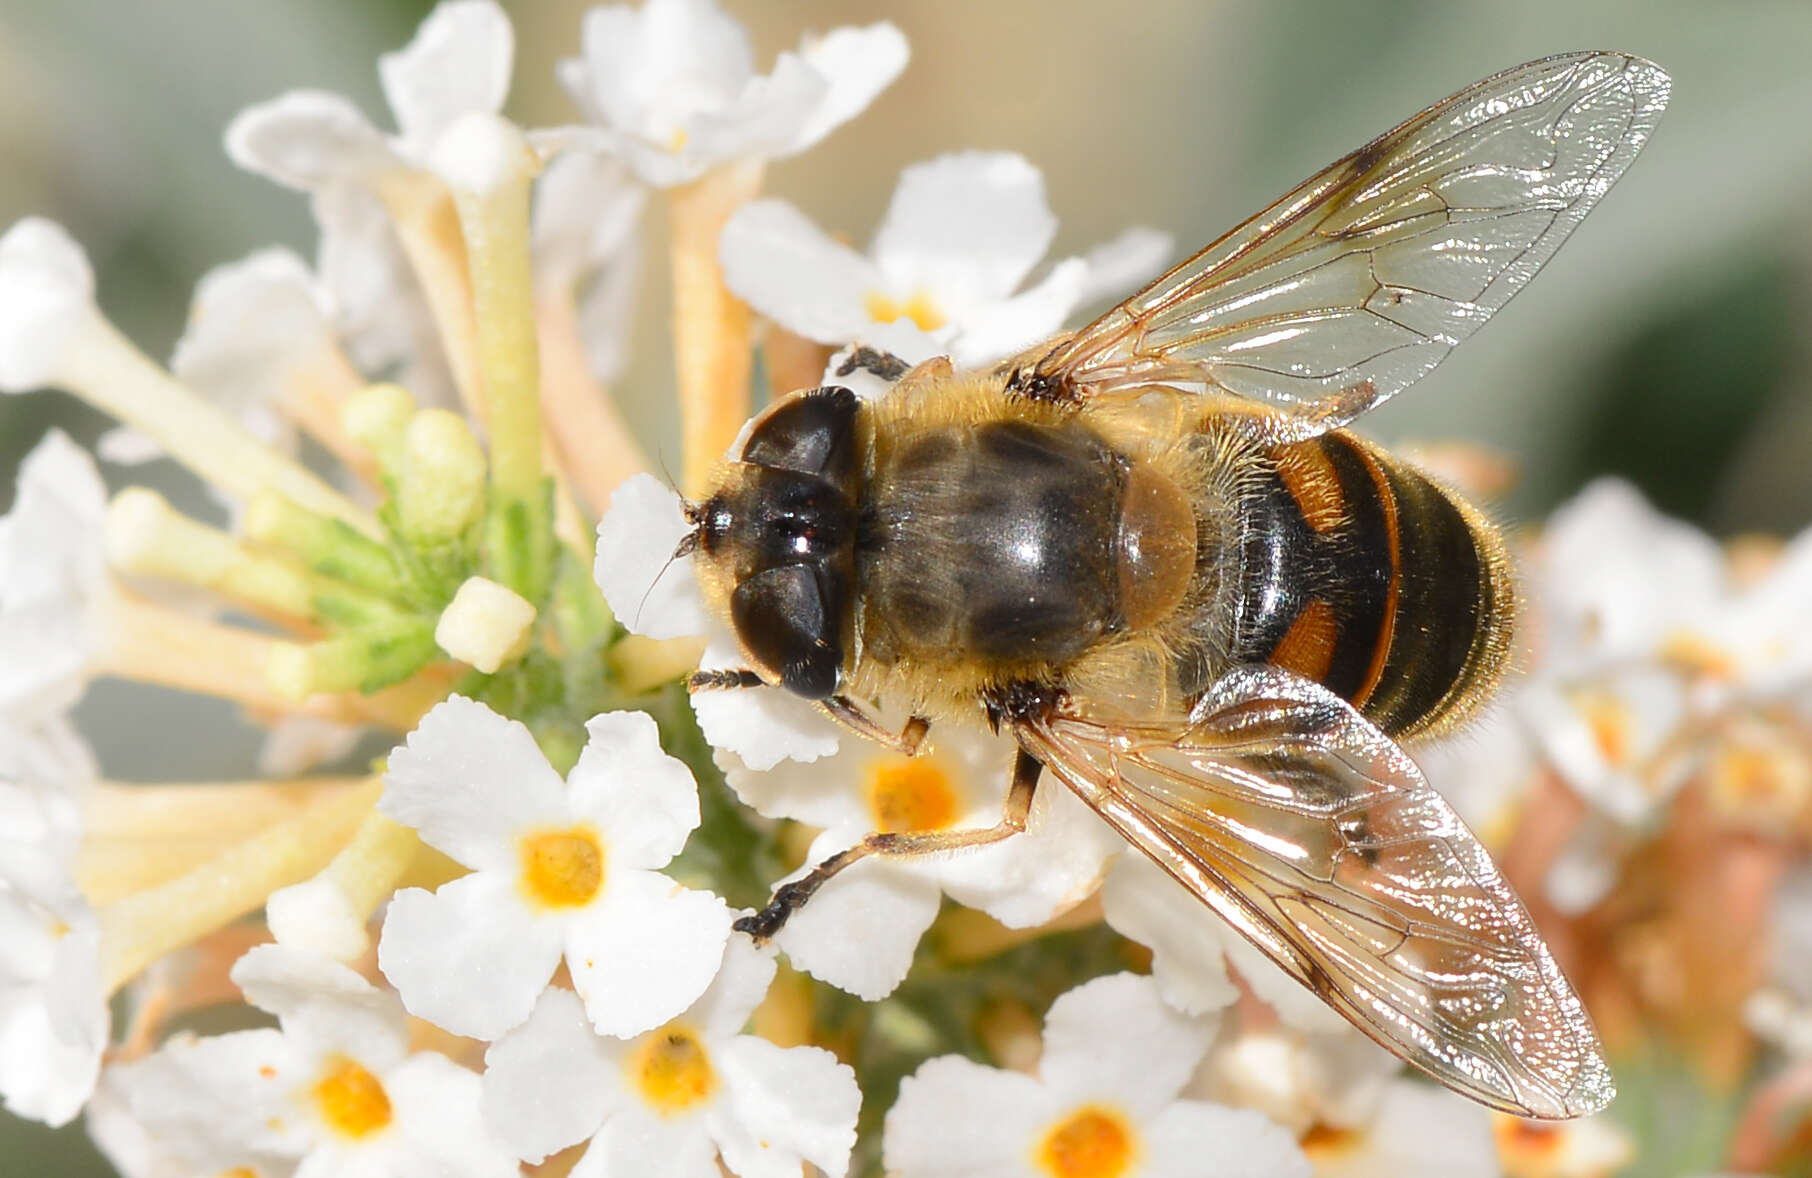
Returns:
<point x="586" y="247"/>
<point x="1416" y="1132"/>
<point x="334" y="1089"/>
<point x="53" y="577"/>
<point x="53" y="1012"/>
<point x="458" y="63"/>
<point x="673" y="91"/>
<point x="46" y="303"/>
<point x="1333" y="1079"/>
<point x="657" y="596"/>
<point x="1589" y="1147"/>
<point x="1104" y="1101"/>
<point x="860" y="930"/>
<point x="1192" y="947"/>
<point x="559" y="870"/>
<point x="667" y="1101"/>
<point x="961" y="234"/>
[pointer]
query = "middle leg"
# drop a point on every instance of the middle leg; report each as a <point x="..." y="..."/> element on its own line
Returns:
<point x="789" y="898"/>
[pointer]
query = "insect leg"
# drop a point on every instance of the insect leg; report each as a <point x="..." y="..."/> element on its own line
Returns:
<point x="885" y="365"/>
<point x="850" y="714"/>
<point x="789" y="898"/>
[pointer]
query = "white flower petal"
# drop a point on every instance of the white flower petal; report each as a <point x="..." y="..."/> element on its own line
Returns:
<point x="763" y="121"/>
<point x="1019" y="322"/>
<point x="644" y="802"/>
<point x="45" y="1074"/>
<point x="1114" y="1038"/>
<point x="637" y="1140"/>
<point x="785" y="1104"/>
<point x="308" y="139"/>
<point x="46" y="302"/>
<point x="587" y="210"/>
<point x="1193" y="1137"/>
<point x="1126" y="263"/>
<point x="1295" y="1003"/>
<point x="547" y="1084"/>
<point x="336" y="1003"/>
<point x="124" y="446"/>
<point x="645" y="951"/>
<point x="649" y="591"/>
<point x="212" y="1101"/>
<point x="1026" y="880"/>
<point x="468" y="957"/>
<point x="458" y="63"/>
<point x="728" y="1003"/>
<point x="857" y="64"/>
<point x="1143" y="904"/>
<point x="436" y="1103"/>
<point x="762" y="726"/>
<point x="317" y="916"/>
<point x="253" y="326"/>
<point x="688" y="52"/>
<point x="467" y="779"/>
<point x="965" y="228"/>
<point x="1418" y="1130"/>
<point x="958" y="1119"/>
<point x="785" y="267"/>
<point x="859" y="932"/>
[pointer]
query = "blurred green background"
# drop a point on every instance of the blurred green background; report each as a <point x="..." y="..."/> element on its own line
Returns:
<point x="1665" y="342"/>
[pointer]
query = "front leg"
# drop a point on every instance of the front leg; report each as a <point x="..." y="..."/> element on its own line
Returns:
<point x="789" y="898"/>
<point x="885" y="365"/>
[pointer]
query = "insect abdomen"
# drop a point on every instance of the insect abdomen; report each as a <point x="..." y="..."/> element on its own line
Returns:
<point x="1361" y="574"/>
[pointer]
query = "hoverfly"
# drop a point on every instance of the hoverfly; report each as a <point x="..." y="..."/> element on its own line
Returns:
<point x="1153" y="553"/>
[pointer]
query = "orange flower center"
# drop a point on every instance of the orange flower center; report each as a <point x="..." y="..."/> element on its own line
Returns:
<point x="1091" y="1142"/>
<point x="562" y="868"/>
<point x="672" y="1070"/>
<point x="1324" y="1143"/>
<point x="351" y="1100"/>
<point x="912" y="794"/>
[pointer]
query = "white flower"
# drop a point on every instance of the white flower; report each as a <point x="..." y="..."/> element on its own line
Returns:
<point x="961" y="234"/>
<point x="52" y="577"/>
<point x="334" y="1089"/>
<point x="860" y="931"/>
<point x="53" y="1013"/>
<point x="587" y="211"/>
<point x="557" y="871"/>
<point x="1104" y="1102"/>
<point x="458" y="63"/>
<point x="674" y="88"/>
<point x="1333" y="1079"/>
<point x="667" y="1101"/>
<point x="657" y="596"/>
<point x="257" y="329"/>
<point x="46" y="303"/>
<point x="1417" y="1132"/>
<point x="1192" y="948"/>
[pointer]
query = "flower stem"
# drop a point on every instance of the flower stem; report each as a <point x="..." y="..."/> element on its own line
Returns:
<point x="138" y="929"/>
<point x="115" y="377"/>
<point x="710" y="325"/>
<point x="489" y="168"/>
<point x="589" y="435"/>
<point x="150" y="644"/>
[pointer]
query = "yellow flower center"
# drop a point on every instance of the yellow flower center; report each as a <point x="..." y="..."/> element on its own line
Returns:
<point x="1696" y="656"/>
<point x="883" y="308"/>
<point x="1091" y="1142"/>
<point x="1611" y="722"/>
<point x="562" y="868"/>
<point x="672" y="1070"/>
<point x="1324" y="1143"/>
<point x="911" y="794"/>
<point x="351" y="1100"/>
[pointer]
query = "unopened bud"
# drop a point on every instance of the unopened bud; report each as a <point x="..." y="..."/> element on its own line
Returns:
<point x="486" y="625"/>
<point x="441" y="488"/>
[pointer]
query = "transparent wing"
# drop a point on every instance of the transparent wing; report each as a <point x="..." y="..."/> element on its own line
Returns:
<point x="1318" y="838"/>
<point x="1357" y="283"/>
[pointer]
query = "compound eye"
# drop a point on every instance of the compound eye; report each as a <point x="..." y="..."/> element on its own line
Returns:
<point x="779" y="614"/>
<point x="812" y="433"/>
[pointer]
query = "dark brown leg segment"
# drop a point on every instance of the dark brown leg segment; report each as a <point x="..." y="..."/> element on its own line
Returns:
<point x="789" y="898"/>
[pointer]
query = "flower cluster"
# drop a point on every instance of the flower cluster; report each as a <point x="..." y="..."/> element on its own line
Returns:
<point x="512" y="942"/>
